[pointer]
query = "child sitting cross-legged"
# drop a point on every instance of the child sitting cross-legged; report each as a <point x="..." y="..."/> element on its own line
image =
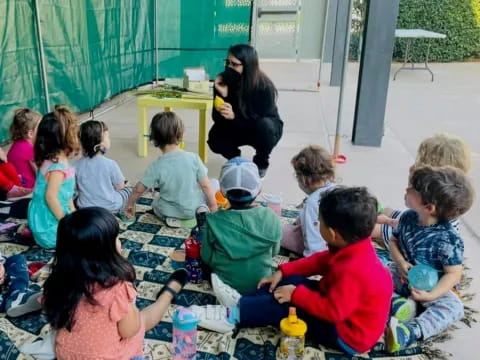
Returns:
<point x="314" y="172"/>
<point x="56" y="142"/>
<point x="100" y="182"/>
<point x="243" y="239"/>
<point x="347" y="309"/>
<point x="437" y="150"/>
<point x="425" y="235"/>
<point x="89" y="298"/>
<point x="180" y="176"/>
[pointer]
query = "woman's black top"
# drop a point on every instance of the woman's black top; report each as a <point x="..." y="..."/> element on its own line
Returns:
<point x="263" y="104"/>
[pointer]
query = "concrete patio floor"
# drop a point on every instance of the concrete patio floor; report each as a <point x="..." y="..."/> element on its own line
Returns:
<point x="417" y="108"/>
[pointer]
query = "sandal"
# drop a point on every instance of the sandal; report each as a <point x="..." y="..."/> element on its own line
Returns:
<point x="180" y="276"/>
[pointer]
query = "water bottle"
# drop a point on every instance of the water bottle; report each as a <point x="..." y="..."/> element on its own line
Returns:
<point x="274" y="202"/>
<point x="422" y="277"/>
<point x="184" y="334"/>
<point x="199" y="232"/>
<point x="192" y="260"/>
<point x="292" y="342"/>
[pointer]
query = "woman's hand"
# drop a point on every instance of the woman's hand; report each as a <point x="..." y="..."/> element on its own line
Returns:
<point x="227" y="112"/>
<point x="221" y="87"/>
<point x="272" y="280"/>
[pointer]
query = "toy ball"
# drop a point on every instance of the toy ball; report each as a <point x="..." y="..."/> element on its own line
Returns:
<point x="423" y="277"/>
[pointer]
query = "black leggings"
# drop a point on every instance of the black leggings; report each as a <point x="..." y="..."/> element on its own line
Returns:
<point x="224" y="138"/>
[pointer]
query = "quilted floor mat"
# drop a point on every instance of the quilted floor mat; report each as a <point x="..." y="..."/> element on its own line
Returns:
<point x="147" y="243"/>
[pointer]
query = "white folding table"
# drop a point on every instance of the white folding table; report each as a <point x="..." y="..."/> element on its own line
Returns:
<point x="410" y="35"/>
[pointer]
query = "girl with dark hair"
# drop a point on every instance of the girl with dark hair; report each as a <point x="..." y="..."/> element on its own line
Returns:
<point x="249" y="114"/>
<point x="89" y="298"/>
<point x="57" y="139"/>
<point x="100" y="182"/>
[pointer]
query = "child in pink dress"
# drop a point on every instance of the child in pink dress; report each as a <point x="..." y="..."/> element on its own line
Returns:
<point x="89" y="297"/>
<point x="20" y="155"/>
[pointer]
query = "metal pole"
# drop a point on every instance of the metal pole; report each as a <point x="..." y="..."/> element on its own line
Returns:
<point x="155" y="40"/>
<point x="298" y="29"/>
<point x="336" y="147"/>
<point x="324" y="36"/>
<point x="42" y="56"/>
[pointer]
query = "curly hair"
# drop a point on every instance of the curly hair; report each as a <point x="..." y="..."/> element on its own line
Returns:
<point x="57" y="131"/>
<point x="91" y="136"/>
<point x="166" y="128"/>
<point x="448" y="188"/>
<point x="444" y="150"/>
<point x="24" y="120"/>
<point x="313" y="164"/>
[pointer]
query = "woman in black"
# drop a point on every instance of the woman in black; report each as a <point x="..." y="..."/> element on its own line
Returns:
<point x="249" y="115"/>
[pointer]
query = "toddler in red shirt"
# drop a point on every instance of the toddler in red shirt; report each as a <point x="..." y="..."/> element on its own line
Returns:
<point x="347" y="309"/>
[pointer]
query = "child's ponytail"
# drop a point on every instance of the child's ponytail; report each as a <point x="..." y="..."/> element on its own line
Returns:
<point x="57" y="131"/>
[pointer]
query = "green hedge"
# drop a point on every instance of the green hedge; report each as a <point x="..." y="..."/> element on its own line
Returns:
<point x="458" y="19"/>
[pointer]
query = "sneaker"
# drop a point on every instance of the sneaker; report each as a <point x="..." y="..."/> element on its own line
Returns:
<point x="24" y="303"/>
<point x="18" y="191"/>
<point x="226" y="295"/>
<point x="173" y="222"/>
<point x="213" y="317"/>
<point x="262" y="172"/>
<point x="404" y="309"/>
<point x="399" y="335"/>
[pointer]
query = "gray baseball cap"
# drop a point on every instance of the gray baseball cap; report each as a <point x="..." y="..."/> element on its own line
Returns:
<point x="240" y="174"/>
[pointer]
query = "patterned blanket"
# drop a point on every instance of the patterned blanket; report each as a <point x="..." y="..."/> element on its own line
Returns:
<point x="147" y="243"/>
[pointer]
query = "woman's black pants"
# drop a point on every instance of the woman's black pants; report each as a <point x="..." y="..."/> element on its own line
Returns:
<point x="262" y="134"/>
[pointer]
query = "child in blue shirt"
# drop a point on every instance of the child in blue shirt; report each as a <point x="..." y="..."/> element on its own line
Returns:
<point x="426" y="236"/>
<point x="315" y="173"/>
<point x="438" y="150"/>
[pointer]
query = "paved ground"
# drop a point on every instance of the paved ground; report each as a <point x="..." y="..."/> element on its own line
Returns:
<point x="417" y="108"/>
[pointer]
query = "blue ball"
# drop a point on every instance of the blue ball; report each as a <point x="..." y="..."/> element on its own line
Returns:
<point x="422" y="277"/>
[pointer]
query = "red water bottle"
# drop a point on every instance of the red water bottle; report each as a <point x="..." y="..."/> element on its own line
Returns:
<point x="192" y="260"/>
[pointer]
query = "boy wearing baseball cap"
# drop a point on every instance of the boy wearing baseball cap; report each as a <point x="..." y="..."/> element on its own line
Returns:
<point x="240" y="243"/>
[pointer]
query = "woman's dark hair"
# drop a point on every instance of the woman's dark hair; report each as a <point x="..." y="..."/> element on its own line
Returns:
<point x="57" y="131"/>
<point x="91" y="136"/>
<point x="352" y="211"/>
<point x="86" y="256"/>
<point x="252" y="77"/>
<point x="166" y="128"/>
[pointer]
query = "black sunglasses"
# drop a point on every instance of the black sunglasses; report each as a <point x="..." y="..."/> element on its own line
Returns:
<point x="229" y="62"/>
